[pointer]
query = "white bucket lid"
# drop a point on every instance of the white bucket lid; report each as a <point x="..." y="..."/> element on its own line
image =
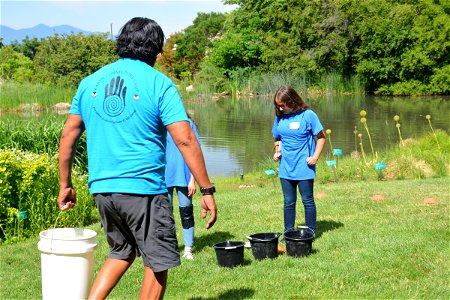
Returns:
<point x="67" y="241"/>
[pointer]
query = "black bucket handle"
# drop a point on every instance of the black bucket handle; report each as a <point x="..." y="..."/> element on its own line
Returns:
<point x="276" y="235"/>
<point x="230" y="247"/>
<point x="241" y="244"/>
<point x="301" y="227"/>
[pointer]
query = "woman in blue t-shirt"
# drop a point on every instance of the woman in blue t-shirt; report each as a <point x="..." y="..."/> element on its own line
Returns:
<point x="179" y="176"/>
<point x="299" y="140"/>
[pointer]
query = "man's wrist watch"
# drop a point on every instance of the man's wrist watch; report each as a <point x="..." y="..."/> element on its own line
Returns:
<point x="208" y="191"/>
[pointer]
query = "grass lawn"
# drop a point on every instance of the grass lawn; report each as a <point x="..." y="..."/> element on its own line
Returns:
<point x="365" y="249"/>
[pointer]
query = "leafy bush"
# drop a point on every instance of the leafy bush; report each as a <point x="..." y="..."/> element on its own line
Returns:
<point x="410" y="87"/>
<point x="67" y="59"/>
<point x="422" y="158"/>
<point x="440" y="81"/>
<point x="39" y="137"/>
<point x="28" y="196"/>
<point x="14" y="65"/>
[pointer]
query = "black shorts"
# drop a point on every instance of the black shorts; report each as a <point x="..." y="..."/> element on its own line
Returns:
<point x="140" y="225"/>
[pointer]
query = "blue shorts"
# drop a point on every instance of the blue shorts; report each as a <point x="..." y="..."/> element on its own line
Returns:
<point x="140" y="225"/>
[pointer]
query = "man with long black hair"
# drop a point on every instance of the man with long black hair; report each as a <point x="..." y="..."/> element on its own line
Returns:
<point x="126" y="109"/>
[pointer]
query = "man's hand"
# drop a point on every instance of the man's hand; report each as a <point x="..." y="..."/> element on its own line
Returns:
<point x="208" y="204"/>
<point x="67" y="198"/>
<point x="186" y="141"/>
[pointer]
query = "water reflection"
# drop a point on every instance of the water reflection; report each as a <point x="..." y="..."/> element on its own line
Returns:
<point x="220" y="162"/>
<point x="236" y="134"/>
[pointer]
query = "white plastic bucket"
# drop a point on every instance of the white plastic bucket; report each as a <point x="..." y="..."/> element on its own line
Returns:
<point x="67" y="257"/>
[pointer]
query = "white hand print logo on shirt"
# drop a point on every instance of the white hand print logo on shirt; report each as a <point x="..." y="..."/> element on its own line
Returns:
<point x="109" y="96"/>
<point x="114" y="102"/>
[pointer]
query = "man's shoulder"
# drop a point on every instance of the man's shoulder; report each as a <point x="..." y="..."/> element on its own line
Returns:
<point x="105" y="68"/>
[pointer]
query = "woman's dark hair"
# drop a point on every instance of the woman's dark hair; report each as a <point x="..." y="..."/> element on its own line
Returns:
<point x="287" y="95"/>
<point x="140" y="38"/>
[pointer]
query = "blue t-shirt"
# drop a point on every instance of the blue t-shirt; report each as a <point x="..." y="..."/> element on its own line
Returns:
<point x="177" y="172"/>
<point x="125" y="107"/>
<point x="296" y="132"/>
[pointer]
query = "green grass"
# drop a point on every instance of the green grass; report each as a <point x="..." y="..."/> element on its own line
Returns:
<point x="39" y="136"/>
<point x="22" y="96"/>
<point x="365" y="249"/>
<point x="245" y="83"/>
<point x="417" y="159"/>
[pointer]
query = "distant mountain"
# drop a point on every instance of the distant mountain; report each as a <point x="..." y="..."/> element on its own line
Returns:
<point x="9" y="35"/>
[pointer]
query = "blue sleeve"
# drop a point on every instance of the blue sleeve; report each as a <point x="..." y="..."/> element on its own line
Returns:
<point x="275" y="133"/>
<point x="171" y="106"/>
<point x="74" y="110"/>
<point x="74" y="107"/>
<point x="314" y="121"/>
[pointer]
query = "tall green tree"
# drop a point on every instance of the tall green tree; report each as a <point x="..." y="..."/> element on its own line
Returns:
<point x="66" y="59"/>
<point x="167" y="60"/>
<point x="27" y="47"/>
<point x="194" y="42"/>
<point x="394" y="47"/>
<point x="305" y="37"/>
<point x="14" y="65"/>
<point x="402" y="45"/>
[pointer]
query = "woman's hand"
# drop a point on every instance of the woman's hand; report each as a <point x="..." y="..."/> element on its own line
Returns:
<point x="311" y="160"/>
<point x="276" y="156"/>
<point x="277" y="148"/>
<point x="192" y="187"/>
<point x="320" y="142"/>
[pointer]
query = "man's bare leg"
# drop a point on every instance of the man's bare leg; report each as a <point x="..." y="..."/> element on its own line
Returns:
<point x="154" y="285"/>
<point x="109" y="275"/>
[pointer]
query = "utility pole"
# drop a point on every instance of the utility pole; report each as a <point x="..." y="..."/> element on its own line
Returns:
<point x="112" y="33"/>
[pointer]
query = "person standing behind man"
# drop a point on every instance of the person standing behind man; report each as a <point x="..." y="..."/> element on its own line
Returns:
<point x="179" y="177"/>
<point x="299" y="141"/>
<point x="126" y="109"/>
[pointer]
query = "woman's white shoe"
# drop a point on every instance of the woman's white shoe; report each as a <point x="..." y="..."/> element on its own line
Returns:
<point x="188" y="255"/>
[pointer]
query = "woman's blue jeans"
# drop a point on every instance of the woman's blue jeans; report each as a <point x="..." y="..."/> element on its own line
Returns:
<point x="183" y="201"/>
<point x="306" y="189"/>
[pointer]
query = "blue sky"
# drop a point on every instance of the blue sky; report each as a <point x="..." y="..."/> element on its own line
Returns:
<point x="97" y="16"/>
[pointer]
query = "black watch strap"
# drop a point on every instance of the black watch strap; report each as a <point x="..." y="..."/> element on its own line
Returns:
<point x="208" y="191"/>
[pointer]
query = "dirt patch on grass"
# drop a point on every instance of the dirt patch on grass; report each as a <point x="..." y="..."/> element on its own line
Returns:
<point x="377" y="197"/>
<point x="320" y="195"/>
<point x="430" y="200"/>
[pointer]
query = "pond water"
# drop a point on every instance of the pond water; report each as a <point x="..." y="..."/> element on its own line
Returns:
<point x="236" y="134"/>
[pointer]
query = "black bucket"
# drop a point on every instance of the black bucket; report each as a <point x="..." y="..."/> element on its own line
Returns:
<point x="230" y="253"/>
<point x="264" y="245"/>
<point x="299" y="242"/>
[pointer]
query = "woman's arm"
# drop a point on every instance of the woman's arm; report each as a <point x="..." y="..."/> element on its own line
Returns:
<point x="192" y="188"/>
<point x="320" y="143"/>
<point x="186" y="141"/>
